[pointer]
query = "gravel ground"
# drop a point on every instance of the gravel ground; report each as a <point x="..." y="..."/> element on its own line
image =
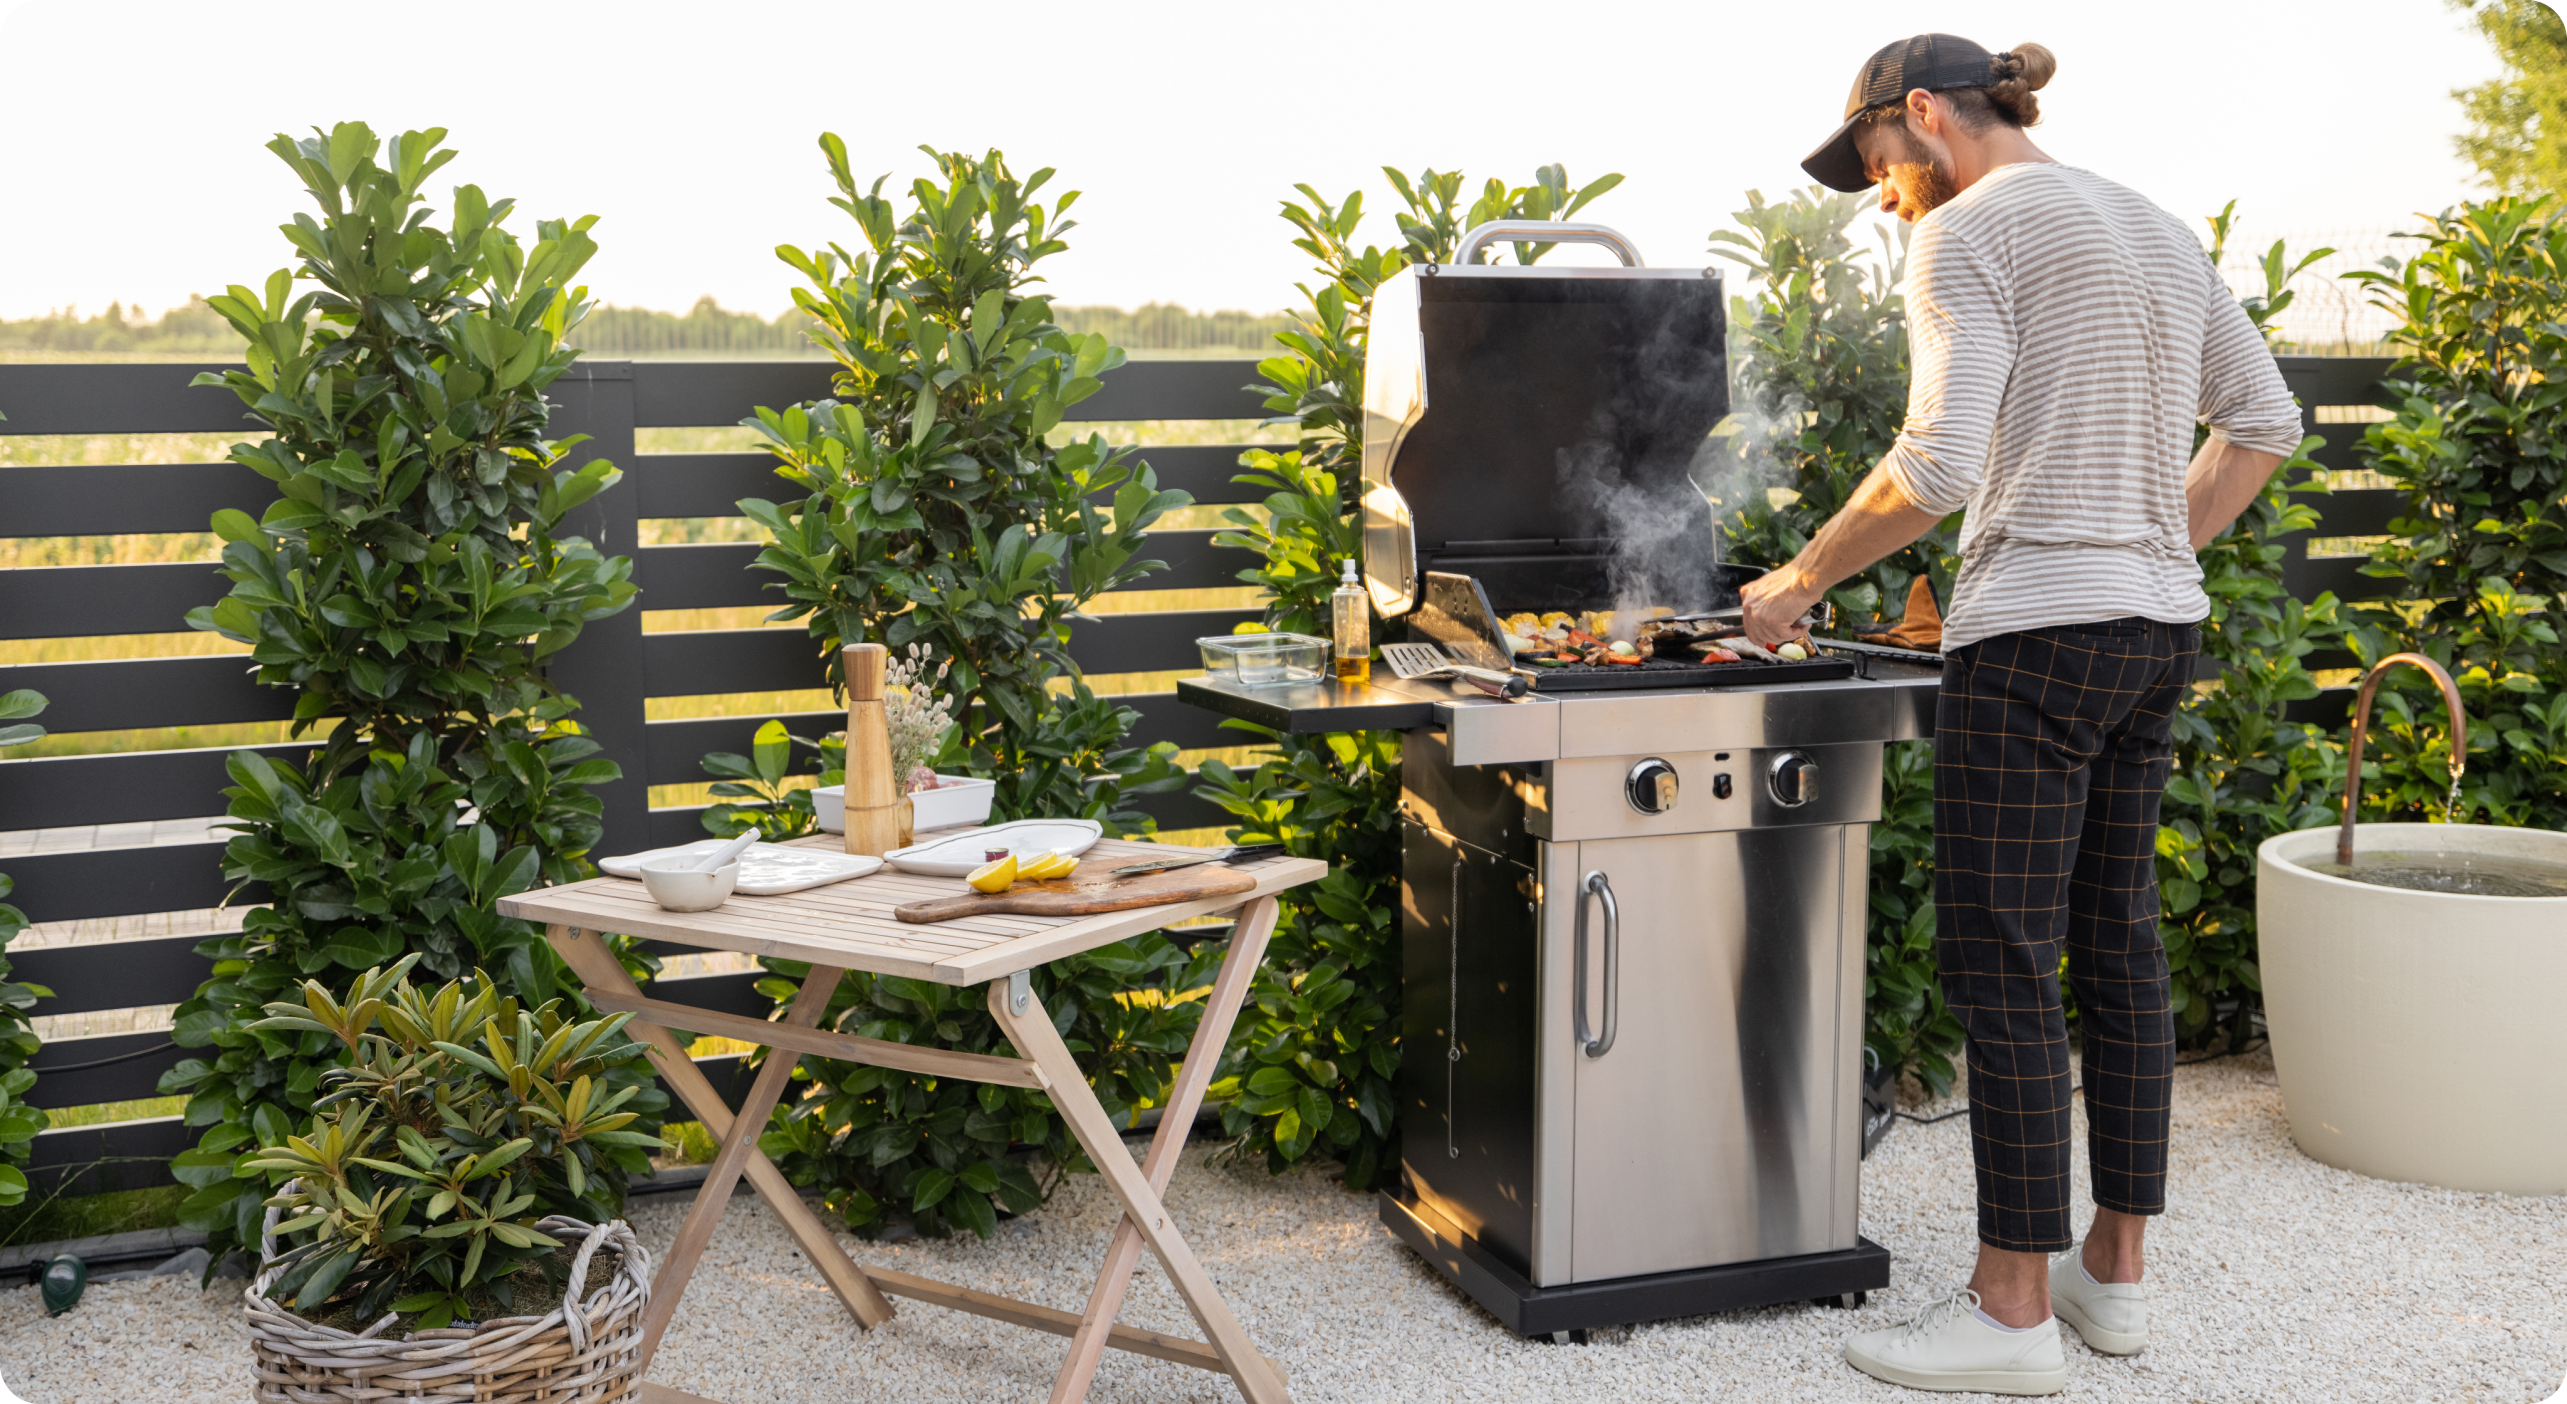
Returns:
<point x="2273" y="1278"/>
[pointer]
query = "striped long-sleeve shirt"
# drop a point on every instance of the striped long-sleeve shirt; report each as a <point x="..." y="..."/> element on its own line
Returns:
<point x="2065" y="336"/>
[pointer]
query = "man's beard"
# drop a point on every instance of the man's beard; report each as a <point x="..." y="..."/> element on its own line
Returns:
<point x="1923" y="181"/>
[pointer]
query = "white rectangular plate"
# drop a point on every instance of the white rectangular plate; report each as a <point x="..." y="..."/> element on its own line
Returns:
<point x="958" y="854"/>
<point x="765" y="868"/>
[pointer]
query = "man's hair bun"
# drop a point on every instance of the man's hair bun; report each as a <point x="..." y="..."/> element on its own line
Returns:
<point x="2018" y="73"/>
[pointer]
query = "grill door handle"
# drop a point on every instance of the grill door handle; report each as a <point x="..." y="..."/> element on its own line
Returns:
<point x="1545" y="231"/>
<point x="1596" y="1045"/>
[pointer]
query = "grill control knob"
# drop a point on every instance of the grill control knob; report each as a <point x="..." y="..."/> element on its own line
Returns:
<point x="1793" y="778"/>
<point x="1651" y="786"/>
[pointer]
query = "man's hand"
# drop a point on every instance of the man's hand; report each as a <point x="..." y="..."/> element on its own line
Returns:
<point x="1774" y="604"/>
<point x="1877" y="520"/>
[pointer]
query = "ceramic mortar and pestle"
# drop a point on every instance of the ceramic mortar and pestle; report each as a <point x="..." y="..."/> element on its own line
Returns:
<point x="699" y="883"/>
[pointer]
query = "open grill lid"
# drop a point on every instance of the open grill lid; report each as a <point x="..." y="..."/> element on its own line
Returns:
<point x="1518" y="422"/>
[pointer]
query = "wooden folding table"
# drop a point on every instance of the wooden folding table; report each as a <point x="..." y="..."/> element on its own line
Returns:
<point x="849" y="926"/>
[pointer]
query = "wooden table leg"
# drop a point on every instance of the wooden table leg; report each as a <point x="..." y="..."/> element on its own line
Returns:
<point x="597" y="967"/>
<point x="1255" y="923"/>
<point x="1030" y="1029"/>
<point x="809" y="1003"/>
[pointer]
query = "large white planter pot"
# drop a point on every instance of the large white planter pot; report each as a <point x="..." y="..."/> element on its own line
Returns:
<point x="2413" y="1031"/>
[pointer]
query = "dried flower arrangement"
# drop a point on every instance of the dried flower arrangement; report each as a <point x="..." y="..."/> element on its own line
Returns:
<point x="919" y="714"/>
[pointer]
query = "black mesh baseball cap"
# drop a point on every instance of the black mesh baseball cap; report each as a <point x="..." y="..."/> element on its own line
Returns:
<point x="1933" y="62"/>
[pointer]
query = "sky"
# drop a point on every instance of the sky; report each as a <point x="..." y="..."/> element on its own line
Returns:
<point x="132" y="134"/>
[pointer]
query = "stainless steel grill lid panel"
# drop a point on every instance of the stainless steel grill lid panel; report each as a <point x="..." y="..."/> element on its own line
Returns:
<point x="1514" y="417"/>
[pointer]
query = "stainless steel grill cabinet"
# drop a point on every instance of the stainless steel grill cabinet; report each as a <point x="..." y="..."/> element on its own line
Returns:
<point x="1632" y="921"/>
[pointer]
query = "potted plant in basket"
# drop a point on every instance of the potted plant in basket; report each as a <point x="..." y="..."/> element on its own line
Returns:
<point x="443" y="1227"/>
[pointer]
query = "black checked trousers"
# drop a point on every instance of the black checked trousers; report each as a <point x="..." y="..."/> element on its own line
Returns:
<point x="2051" y="752"/>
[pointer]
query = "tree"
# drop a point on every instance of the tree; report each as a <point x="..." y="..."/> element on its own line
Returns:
<point x="2518" y="123"/>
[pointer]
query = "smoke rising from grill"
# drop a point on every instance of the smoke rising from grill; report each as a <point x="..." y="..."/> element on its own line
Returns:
<point x="1647" y="479"/>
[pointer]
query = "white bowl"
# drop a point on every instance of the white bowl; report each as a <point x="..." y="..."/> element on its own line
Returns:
<point x="680" y="889"/>
<point x="960" y="799"/>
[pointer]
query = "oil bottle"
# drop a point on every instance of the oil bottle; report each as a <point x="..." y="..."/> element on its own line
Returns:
<point x="1352" y="609"/>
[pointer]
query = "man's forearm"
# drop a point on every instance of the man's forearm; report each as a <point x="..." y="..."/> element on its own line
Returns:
<point x="1878" y="520"/>
<point x="2223" y="481"/>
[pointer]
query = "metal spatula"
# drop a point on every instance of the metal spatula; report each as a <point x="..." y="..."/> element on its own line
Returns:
<point x="1415" y="661"/>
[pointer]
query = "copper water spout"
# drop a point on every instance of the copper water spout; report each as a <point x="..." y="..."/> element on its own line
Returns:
<point x="2362" y="723"/>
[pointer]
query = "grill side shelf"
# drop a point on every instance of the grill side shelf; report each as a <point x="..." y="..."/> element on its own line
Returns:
<point x="1320" y="707"/>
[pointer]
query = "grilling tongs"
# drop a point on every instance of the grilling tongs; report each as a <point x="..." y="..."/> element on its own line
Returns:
<point x="1820" y="616"/>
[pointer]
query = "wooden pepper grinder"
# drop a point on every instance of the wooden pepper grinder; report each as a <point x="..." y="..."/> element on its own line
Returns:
<point x="873" y="795"/>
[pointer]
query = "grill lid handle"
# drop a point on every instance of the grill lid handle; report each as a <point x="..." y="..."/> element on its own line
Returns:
<point x="1547" y="231"/>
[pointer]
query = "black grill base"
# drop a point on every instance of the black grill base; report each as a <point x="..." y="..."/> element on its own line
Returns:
<point x="1663" y="673"/>
<point x="1530" y="1311"/>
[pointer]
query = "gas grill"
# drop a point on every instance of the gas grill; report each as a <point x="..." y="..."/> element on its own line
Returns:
<point x="1632" y="917"/>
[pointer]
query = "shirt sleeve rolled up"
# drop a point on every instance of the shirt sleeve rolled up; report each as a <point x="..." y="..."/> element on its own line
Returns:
<point x="2243" y="399"/>
<point x="1961" y="349"/>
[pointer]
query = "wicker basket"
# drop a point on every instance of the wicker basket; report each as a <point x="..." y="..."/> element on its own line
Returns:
<point x="579" y="1353"/>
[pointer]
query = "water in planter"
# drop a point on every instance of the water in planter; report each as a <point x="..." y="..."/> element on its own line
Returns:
<point x="2464" y="874"/>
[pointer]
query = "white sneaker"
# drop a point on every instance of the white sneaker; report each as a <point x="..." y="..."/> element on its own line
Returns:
<point x="2111" y="1316"/>
<point x="1948" y="1347"/>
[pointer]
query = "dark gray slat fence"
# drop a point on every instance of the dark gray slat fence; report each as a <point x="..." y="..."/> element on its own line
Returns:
<point x="716" y="575"/>
<point x="115" y="882"/>
<point x="89" y="601"/>
<point x="2324" y="381"/>
<point x="677" y="747"/>
<point x="65" y="791"/>
<point x="598" y="399"/>
<point x="712" y="484"/>
<point x="606" y="400"/>
<point x="686" y="662"/>
<point x="60" y="602"/>
<point x="132" y="693"/>
<point x="94" y="499"/>
<point x="119" y="399"/>
<point x="692" y="394"/>
<point x="123" y="1155"/>
<point x="111" y="975"/>
<point x="150" y="785"/>
<point x="91" y="976"/>
<point x="1173" y="810"/>
<point x="118" y="1155"/>
<point x="127" y="1067"/>
<point x="97" y="499"/>
<point x="76" y="1072"/>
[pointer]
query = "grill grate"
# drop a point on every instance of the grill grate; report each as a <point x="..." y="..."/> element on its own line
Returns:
<point x="1668" y="672"/>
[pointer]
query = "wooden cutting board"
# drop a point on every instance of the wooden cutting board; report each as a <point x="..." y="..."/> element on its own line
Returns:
<point x="1085" y="896"/>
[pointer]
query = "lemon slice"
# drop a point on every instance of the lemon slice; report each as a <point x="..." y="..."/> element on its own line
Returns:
<point x="994" y="877"/>
<point x="1054" y="864"/>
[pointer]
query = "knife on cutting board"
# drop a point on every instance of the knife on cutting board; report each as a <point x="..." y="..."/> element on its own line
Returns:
<point x="1203" y="855"/>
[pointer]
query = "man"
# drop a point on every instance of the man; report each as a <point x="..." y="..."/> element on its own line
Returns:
<point x="2066" y="335"/>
